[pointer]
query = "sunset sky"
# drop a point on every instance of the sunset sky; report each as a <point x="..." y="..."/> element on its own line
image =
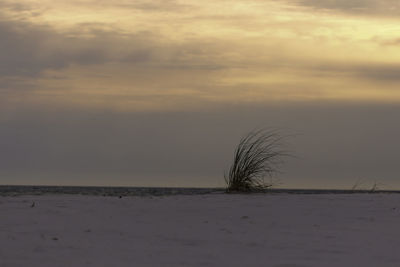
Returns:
<point x="158" y="92"/>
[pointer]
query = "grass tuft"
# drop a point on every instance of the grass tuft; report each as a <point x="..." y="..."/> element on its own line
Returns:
<point x="258" y="155"/>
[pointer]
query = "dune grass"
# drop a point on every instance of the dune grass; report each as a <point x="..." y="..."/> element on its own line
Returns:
<point x="258" y="155"/>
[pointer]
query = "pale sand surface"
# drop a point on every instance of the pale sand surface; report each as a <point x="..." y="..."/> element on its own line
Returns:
<point x="278" y="230"/>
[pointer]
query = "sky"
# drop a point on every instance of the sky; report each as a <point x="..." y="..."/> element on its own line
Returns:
<point x="159" y="92"/>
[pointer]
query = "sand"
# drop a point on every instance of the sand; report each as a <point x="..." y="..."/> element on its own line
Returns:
<point x="278" y="230"/>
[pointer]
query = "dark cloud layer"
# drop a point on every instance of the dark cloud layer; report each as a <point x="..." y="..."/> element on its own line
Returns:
<point x="336" y="145"/>
<point x="374" y="71"/>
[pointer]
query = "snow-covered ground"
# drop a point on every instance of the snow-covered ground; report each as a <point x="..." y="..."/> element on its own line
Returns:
<point x="278" y="230"/>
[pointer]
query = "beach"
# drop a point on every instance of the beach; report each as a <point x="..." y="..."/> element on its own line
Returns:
<point x="217" y="229"/>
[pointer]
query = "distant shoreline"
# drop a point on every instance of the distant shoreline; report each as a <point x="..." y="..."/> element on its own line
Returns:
<point x="18" y="190"/>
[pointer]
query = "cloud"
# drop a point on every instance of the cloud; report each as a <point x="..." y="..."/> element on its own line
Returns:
<point x="383" y="73"/>
<point x="27" y="49"/>
<point x="26" y="8"/>
<point x="372" y="71"/>
<point x="358" y="7"/>
<point x="18" y="49"/>
<point x="153" y="6"/>
<point x="392" y="42"/>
